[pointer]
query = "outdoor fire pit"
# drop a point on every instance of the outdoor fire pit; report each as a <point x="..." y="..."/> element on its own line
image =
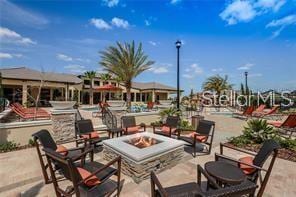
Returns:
<point x="144" y="152"/>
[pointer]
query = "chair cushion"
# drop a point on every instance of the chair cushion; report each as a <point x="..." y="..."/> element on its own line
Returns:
<point x="91" y="181"/>
<point x="134" y="129"/>
<point x="247" y="169"/>
<point x="200" y="138"/>
<point x="275" y="123"/>
<point x="166" y="129"/>
<point x="62" y="150"/>
<point x="91" y="136"/>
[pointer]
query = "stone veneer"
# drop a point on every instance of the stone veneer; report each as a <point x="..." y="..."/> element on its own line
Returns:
<point x="63" y="124"/>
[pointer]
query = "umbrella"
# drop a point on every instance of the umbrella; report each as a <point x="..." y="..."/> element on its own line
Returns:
<point x="108" y="87"/>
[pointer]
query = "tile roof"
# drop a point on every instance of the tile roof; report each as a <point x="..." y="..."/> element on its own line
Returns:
<point x="30" y="74"/>
<point x="151" y="86"/>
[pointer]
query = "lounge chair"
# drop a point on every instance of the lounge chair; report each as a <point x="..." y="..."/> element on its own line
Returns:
<point x="44" y="138"/>
<point x="169" y="127"/>
<point x="88" y="179"/>
<point x="30" y="116"/>
<point x="194" y="189"/>
<point x="129" y="126"/>
<point x="84" y="130"/>
<point x="266" y="113"/>
<point x="252" y="166"/>
<point x="29" y="110"/>
<point x="246" y="114"/>
<point x="289" y="124"/>
<point x="204" y="134"/>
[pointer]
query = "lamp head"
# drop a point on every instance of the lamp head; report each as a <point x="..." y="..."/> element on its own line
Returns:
<point x="178" y="44"/>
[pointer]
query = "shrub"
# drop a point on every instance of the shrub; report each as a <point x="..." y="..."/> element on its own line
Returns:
<point x="8" y="146"/>
<point x="185" y="124"/>
<point x="240" y="141"/>
<point x="172" y="111"/>
<point x="31" y="142"/>
<point x="258" y="130"/>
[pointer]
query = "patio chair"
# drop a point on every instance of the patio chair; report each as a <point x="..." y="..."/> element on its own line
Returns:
<point x="204" y="134"/>
<point x="88" y="179"/>
<point x="246" y="114"/>
<point x="84" y="130"/>
<point x="129" y="126"/>
<point x="194" y="189"/>
<point x="289" y="124"/>
<point x="29" y="110"/>
<point x="266" y="113"/>
<point x="169" y="127"/>
<point x="44" y="138"/>
<point x="252" y="166"/>
<point x="29" y="116"/>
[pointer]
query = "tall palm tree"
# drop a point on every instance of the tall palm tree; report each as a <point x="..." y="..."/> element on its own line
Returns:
<point x="125" y="61"/>
<point x="90" y="75"/>
<point x="217" y="84"/>
<point x="105" y="77"/>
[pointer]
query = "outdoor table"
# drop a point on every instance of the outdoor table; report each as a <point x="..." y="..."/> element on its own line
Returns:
<point x="117" y="131"/>
<point x="225" y="173"/>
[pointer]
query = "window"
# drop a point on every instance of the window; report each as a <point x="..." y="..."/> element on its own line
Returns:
<point x="97" y="83"/>
<point x="113" y="83"/>
<point x="105" y="82"/>
<point x="86" y="82"/>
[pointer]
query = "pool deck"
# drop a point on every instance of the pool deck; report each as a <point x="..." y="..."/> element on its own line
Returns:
<point x="21" y="173"/>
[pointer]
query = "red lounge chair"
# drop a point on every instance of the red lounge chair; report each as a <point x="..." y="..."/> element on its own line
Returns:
<point x="247" y="113"/>
<point x="288" y="125"/>
<point x="28" y="110"/>
<point x="29" y="116"/>
<point x="263" y="113"/>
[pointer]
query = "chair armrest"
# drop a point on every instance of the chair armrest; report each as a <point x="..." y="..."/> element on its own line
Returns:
<point x="201" y="171"/>
<point x="116" y="160"/>
<point x="83" y="154"/>
<point x="238" y="162"/>
<point x="235" y="148"/>
<point x="155" y="181"/>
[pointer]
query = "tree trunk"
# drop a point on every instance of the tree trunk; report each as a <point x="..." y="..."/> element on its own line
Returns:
<point x="128" y="85"/>
<point x="91" y="95"/>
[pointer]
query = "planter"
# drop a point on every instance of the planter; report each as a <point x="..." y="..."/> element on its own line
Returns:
<point x="62" y="105"/>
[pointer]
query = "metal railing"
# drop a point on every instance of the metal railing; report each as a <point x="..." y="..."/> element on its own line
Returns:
<point x="108" y="118"/>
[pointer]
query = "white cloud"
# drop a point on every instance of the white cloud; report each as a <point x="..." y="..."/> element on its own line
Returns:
<point x="192" y="71"/>
<point x="217" y="69"/>
<point x="159" y="69"/>
<point x="110" y="3"/>
<point x="64" y="57"/>
<point x="147" y="22"/>
<point x="238" y="11"/>
<point x="100" y="23"/>
<point x="175" y="1"/>
<point x="188" y="76"/>
<point x="246" y="10"/>
<point x="255" y="75"/>
<point x="10" y="36"/>
<point x="120" y="23"/>
<point x="9" y="55"/>
<point x="245" y="67"/>
<point x="75" y="68"/>
<point x="5" y="56"/>
<point x="152" y="43"/>
<point x="19" y="16"/>
<point x="281" y="24"/>
<point x="196" y="68"/>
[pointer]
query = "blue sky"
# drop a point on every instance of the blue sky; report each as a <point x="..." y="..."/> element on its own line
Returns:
<point x="219" y="37"/>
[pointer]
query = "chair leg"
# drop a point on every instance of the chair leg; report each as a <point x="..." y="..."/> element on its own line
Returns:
<point x="194" y="150"/>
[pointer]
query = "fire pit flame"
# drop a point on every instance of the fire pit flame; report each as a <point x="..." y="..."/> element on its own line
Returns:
<point x="142" y="141"/>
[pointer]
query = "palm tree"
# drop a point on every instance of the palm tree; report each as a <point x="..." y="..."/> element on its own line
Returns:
<point x="217" y="84"/>
<point x="90" y="75"/>
<point x="125" y="62"/>
<point x="105" y="77"/>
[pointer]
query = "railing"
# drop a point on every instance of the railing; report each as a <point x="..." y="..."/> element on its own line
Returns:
<point x="108" y="118"/>
<point x="3" y="104"/>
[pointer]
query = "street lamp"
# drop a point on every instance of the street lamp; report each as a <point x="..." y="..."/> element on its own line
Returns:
<point x="178" y="45"/>
<point x="246" y="80"/>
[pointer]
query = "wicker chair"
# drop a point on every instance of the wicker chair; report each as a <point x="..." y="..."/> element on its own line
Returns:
<point x="44" y="138"/>
<point x="203" y="134"/>
<point x="169" y="128"/>
<point x="252" y="166"/>
<point x="129" y="126"/>
<point x="84" y="130"/>
<point x="194" y="189"/>
<point x="88" y="179"/>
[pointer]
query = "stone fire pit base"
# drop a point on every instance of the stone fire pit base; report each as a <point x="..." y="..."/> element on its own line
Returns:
<point x="139" y="171"/>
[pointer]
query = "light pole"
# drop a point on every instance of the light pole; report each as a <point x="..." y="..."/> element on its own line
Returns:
<point x="246" y="81"/>
<point x="178" y="45"/>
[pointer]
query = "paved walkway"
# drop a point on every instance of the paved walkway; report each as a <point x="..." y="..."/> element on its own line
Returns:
<point x="21" y="175"/>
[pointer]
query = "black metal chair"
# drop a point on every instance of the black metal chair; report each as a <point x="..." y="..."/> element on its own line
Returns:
<point x="84" y="130"/>
<point x="169" y="128"/>
<point x="44" y="138"/>
<point x="194" y="189"/>
<point x="88" y="179"/>
<point x="253" y="166"/>
<point x="204" y="134"/>
<point x="129" y="126"/>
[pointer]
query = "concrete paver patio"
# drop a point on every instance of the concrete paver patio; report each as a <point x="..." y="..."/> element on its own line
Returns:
<point x="21" y="174"/>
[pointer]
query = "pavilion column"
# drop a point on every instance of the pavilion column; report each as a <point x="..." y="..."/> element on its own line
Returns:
<point x="140" y="96"/>
<point x="24" y="94"/>
<point x="51" y="94"/>
<point x="135" y="97"/>
<point x="67" y="92"/>
<point x="153" y="95"/>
